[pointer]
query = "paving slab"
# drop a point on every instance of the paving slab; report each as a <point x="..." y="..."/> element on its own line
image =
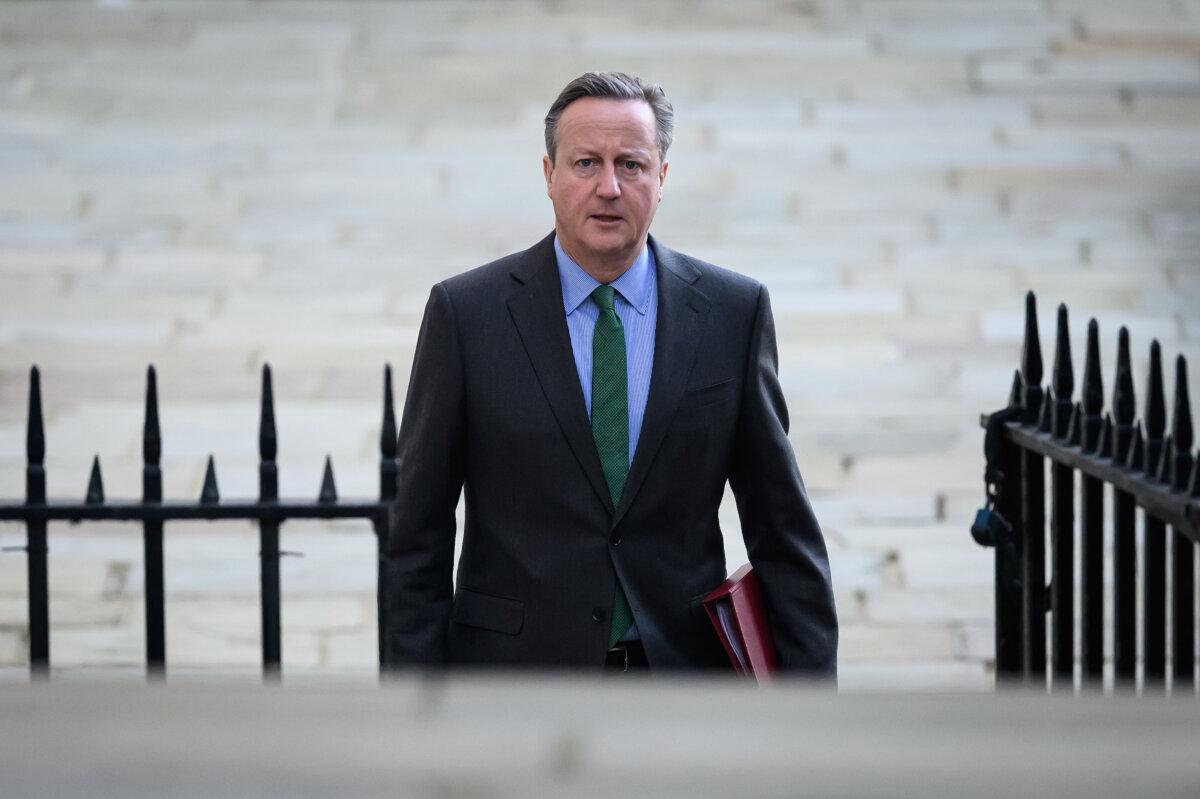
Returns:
<point x="954" y="676"/>
<point x="951" y="536"/>
<point x="21" y="261"/>
<point x="1106" y="17"/>
<point x="14" y="650"/>
<point x="889" y="605"/>
<point x="101" y="646"/>
<point x="979" y="639"/>
<point x="897" y="642"/>
<point x="934" y="567"/>
<point x="354" y="653"/>
<point x="856" y="570"/>
<point x="1094" y="73"/>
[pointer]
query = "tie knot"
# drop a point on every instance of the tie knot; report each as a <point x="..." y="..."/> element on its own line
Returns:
<point x="603" y="296"/>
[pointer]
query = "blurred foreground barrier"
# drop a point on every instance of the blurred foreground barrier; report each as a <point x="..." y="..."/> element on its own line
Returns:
<point x="1153" y="485"/>
<point x="152" y="510"/>
<point x="545" y="736"/>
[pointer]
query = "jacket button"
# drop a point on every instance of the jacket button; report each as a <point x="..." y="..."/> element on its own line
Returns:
<point x="615" y="540"/>
<point x="597" y="615"/>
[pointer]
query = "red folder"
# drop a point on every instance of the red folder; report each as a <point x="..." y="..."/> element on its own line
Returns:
<point x="735" y="608"/>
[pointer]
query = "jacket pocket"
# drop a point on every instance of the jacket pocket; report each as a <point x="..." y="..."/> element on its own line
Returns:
<point x="496" y="613"/>
<point x="700" y="396"/>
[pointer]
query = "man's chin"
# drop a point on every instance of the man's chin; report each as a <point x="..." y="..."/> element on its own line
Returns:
<point x="607" y="246"/>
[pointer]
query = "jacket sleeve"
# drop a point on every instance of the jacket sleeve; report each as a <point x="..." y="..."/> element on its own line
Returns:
<point x="417" y="558"/>
<point x="782" y="536"/>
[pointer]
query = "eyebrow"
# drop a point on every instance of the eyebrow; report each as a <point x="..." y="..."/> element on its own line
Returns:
<point x="629" y="154"/>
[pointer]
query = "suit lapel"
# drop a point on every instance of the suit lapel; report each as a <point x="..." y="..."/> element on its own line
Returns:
<point x="682" y="310"/>
<point x="537" y="311"/>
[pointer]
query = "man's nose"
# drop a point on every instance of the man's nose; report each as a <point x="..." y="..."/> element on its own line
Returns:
<point x="607" y="185"/>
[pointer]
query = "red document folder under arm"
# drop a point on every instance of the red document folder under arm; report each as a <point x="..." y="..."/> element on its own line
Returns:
<point x="735" y="608"/>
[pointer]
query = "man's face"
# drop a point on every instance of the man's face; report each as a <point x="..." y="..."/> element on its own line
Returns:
<point x="605" y="181"/>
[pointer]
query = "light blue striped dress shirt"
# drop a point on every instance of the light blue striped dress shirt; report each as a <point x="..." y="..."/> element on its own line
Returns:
<point x="636" y="305"/>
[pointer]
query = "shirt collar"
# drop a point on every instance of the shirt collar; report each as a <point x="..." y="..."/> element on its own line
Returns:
<point x="577" y="285"/>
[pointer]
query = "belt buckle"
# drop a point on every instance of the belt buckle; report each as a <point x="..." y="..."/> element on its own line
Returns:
<point x="623" y="648"/>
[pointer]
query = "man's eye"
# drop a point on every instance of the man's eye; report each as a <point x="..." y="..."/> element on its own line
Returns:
<point x="631" y="165"/>
<point x="585" y="162"/>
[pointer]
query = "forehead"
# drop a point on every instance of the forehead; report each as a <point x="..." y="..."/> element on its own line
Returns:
<point x="603" y="123"/>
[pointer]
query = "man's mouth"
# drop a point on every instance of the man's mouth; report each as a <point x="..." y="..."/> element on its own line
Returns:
<point x="606" y="217"/>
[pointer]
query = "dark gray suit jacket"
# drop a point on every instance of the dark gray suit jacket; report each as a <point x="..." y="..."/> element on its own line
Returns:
<point x="494" y="404"/>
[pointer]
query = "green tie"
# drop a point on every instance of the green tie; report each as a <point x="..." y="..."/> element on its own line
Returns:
<point x="610" y="422"/>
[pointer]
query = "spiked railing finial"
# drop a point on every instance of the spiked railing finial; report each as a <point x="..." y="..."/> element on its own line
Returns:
<point x="151" y="442"/>
<point x="151" y="434"/>
<point x="1092" y="392"/>
<point x="1075" y="426"/>
<point x="1014" y="393"/>
<point x="388" y="443"/>
<point x="1046" y="420"/>
<point x="1136" y="461"/>
<point x="1181" y="415"/>
<point x="266" y="423"/>
<point x="1166" y="460"/>
<point x="268" y="471"/>
<point x="1063" y="378"/>
<point x="35" y="437"/>
<point x="1181" y="428"/>
<point x="1031" y="364"/>
<point x="1156" y="410"/>
<point x="1031" y="353"/>
<point x="387" y="432"/>
<point x="328" y="492"/>
<point x="1156" y="406"/>
<point x="209" y="495"/>
<point x="1194" y="489"/>
<point x="95" y="489"/>
<point x="1124" y="403"/>
<point x="1104" y="447"/>
<point x="35" y="442"/>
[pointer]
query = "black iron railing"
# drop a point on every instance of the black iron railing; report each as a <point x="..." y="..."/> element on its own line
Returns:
<point x="1137" y="469"/>
<point x="153" y="511"/>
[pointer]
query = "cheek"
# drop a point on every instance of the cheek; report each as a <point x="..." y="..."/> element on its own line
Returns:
<point x="566" y="193"/>
<point x="647" y="199"/>
<point x="565" y="198"/>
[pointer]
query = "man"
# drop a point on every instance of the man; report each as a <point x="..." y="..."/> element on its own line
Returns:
<point x="593" y="394"/>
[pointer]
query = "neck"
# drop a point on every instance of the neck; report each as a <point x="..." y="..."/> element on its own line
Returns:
<point x="601" y="268"/>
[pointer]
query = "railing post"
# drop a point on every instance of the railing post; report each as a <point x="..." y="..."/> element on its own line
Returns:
<point x="1124" y="526"/>
<point x="1091" y="521"/>
<point x="1033" y="512"/>
<point x="387" y="494"/>
<point x="268" y="531"/>
<point x="152" y="535"/>
<point x="1009" y="592"/>
<point x="35" y="533"/>
<point x="1183" y="557"/>
<point x="1062" y="516"/>
<point x="1154" y="584"/>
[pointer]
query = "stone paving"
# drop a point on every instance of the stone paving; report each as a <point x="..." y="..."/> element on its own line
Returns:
<point x="213" y="186"/>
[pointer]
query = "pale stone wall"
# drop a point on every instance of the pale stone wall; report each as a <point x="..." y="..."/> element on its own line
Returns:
<point x="211" y="186"/>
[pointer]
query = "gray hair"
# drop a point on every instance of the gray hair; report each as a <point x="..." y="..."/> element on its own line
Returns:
<point x="615" y="86"/>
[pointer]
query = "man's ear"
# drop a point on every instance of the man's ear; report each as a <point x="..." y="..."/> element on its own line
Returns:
<point x="662" y="178"/>
<point x="548" y="171"/>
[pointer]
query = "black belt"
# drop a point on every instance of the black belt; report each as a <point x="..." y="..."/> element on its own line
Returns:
<point x="626" y="656"/>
